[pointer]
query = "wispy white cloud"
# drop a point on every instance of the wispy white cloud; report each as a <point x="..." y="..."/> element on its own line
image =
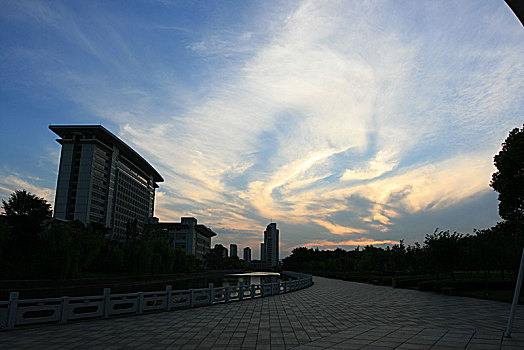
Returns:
<point x="303" y="114"/>
<point x="13" y="181"/>
<point x="309" y="109"/>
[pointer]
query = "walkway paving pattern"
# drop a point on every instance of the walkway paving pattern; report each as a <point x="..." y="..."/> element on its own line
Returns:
<point x="330" y="314"/>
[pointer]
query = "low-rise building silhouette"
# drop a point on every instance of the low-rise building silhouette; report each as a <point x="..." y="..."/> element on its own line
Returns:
<point x="194" y="239"/>
<point x="221" y="250"/>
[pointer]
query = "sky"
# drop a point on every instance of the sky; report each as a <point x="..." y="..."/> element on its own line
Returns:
<point x="347" y="123"/>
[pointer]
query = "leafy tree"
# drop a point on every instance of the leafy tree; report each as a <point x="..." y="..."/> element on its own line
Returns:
<point x="444" y="251"/>
<point x="25" y="214"/>
<point x="508" y="181"/>
<point x="57" y="253"/>
<point x="23" y="203"/>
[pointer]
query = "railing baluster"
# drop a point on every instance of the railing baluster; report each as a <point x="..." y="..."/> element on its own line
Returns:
<point x="12" y="310"/>
<point x="169" y="297"/>
<point x="107" y="300"/>
<point x="64" y="309"/>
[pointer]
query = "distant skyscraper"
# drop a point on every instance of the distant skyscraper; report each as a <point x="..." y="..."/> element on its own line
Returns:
<point x="102" y="180"/>
<point x="233" y="250"/>
<point x="271" y="245"/>
<point x="262" y="253"/>
<point x="247" y="254"/>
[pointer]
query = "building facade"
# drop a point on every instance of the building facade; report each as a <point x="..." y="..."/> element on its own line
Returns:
<point x="221" y="250"/>
<point x="233" y="250"/>
<point x="262" y="253"/>
<point x="247" y="254"/>
<point x="271" y="240"/>
<point x="194" y="239"/>
<point x="102" y="180"/>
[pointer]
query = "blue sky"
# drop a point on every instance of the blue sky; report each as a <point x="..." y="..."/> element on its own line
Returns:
<point x="346" y="122"/>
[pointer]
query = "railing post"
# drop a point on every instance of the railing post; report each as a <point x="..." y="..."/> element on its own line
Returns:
<point x="227" y="294"/>
<point x="64" y="306"/>
<point x="191" y="298"/>
<point x="12" y="310"/>
<point x="106" y="302"/>
<point x="169" y="297"/>
<point x="241" y="291"/>
<point x="140" y="306"/>
<point x="516" y="296"/>
<point x="262" y="288"/>
<point x="278" y="286"/>
<point x="252" y="291"/>
<point x="211" y="294"/>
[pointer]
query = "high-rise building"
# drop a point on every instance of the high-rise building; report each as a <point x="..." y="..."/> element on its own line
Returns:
<point x="271" y="245"/>
<point x="103" y="180"/>
<point x="233" y="250"/>
<point x="247" y="254"/>
<point x="194" y="239"/>
<point x="262" y="253"/>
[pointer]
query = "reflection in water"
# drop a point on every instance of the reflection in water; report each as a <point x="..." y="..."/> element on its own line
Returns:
<point x="230" y="280"/>
<point x="250" y="278"/>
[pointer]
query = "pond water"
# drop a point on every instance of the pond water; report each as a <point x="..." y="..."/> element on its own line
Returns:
<point x="231" y="280"/>
<point x="251" y="278"/>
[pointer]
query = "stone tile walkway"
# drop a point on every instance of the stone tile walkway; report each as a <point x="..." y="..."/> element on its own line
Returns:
<point x="330" y="314"/>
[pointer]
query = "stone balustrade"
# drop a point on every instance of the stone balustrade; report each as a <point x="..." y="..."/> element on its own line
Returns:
<point x="17" y="312"/>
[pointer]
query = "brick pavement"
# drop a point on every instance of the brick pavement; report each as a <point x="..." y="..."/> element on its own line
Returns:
<point x="330" y="314"/>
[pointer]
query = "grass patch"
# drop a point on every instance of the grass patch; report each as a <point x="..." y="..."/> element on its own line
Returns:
<point x="496" y="295"/>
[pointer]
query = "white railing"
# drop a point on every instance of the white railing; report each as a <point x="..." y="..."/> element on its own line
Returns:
<point x="17" y="312"/>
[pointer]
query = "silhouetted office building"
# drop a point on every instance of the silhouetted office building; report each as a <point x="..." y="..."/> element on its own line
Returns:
<point x="247" y="254"/>
<point x="221" y="250"/>
<point x="271" y="245"/>
<point x="102" y="180"/>
<point x="233" y="250"/>
<point x="262" y="253"/>
<point x="194" y="239"/>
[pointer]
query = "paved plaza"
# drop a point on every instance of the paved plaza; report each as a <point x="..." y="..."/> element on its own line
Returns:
<point x="331" y="314"/>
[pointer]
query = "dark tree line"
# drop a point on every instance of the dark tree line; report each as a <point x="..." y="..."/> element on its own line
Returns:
<point x="31" y="246"/>
<point x="442" y="253"/>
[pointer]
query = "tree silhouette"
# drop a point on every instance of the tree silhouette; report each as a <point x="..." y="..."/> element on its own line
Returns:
<point x="25" y="215"/>
<point x="23" y="203"/>
<point x="508" y="181"/>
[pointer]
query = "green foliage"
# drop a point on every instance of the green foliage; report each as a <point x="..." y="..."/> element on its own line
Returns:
<point x="444" y="250"/>
<point x="67" y="250"/>
<point x="26" y="204"/>
<point x="508" y="181"/>
<point x="57" y="253"/>
<point x="463" y="285"/>
<point x="443" y="253"/>
<point x="25" y="215"/>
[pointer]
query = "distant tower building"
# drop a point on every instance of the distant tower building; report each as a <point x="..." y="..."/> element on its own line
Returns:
<point x="233" y="250"/>
<point x="247" y="254"/>
<point x="271" y="245"/>
<point x="262" y="254"/>
<point x="102" y="180"/>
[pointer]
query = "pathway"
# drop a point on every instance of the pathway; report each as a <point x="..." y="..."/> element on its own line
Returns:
<point x="330" y="314"/>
